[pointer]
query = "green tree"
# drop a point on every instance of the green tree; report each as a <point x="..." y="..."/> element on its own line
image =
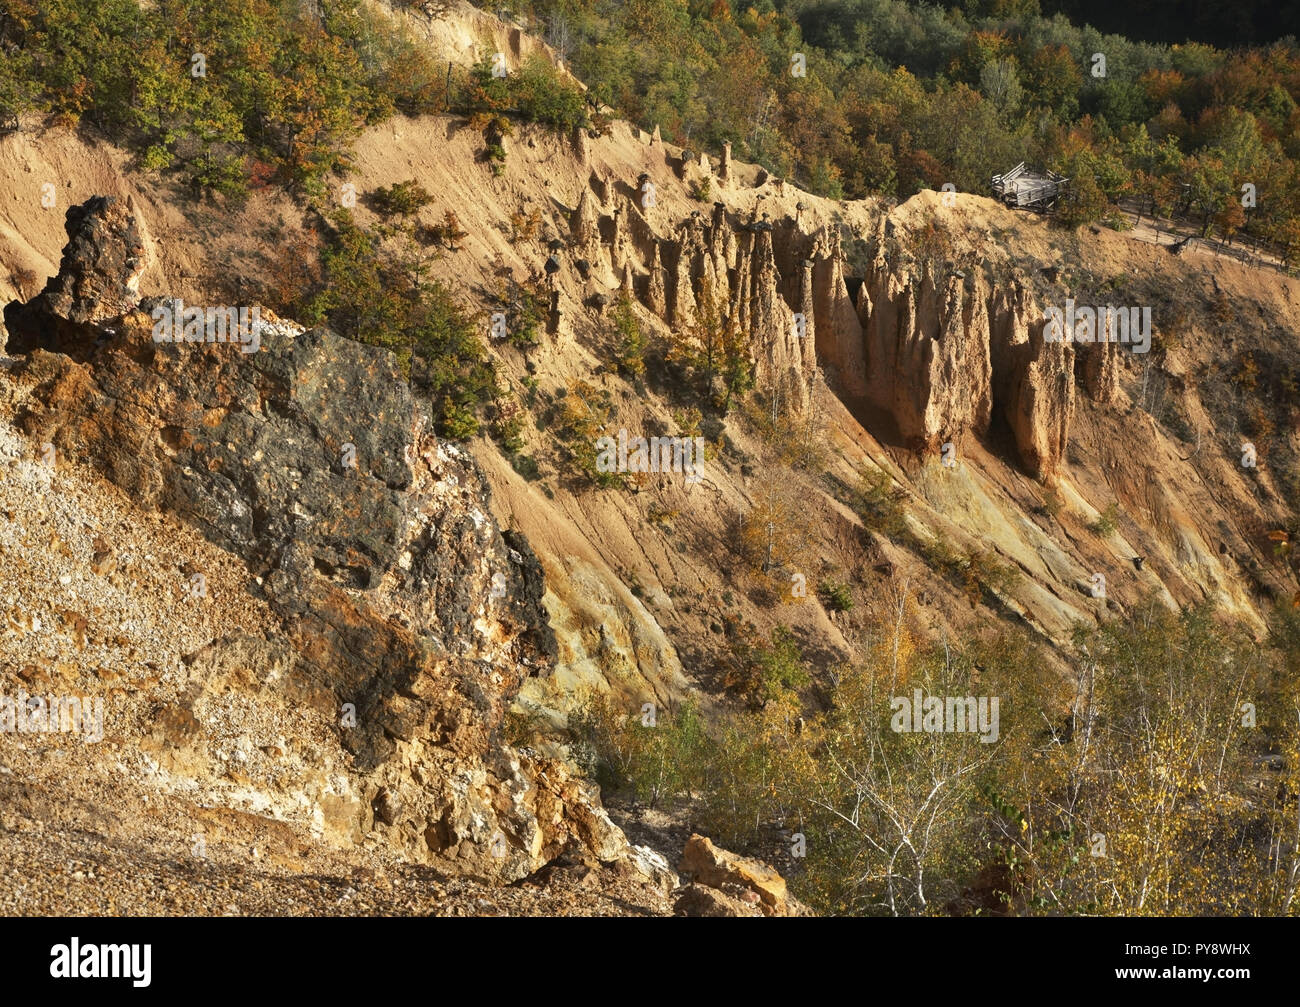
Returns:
<point x="630" y="355"/>
<point x="1001" y="85"/>
<point x="1211" y="187"/>
<point x="401" y="199"/>
<point x="1155" y="169"/>
<point x="368" y="294"/>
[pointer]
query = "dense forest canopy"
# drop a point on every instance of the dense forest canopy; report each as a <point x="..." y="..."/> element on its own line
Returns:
<point x="900" y="96"/>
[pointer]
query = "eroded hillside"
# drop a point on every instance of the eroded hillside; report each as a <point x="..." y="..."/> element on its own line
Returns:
<point x="897" y="348"/>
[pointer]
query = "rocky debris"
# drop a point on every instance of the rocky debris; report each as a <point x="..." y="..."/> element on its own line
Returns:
<point x="103" y="562"/>
<point x="79" y="872"/>
<point x="654" y="866"/>
<point x="98" y="279"/>
<point x="738" y="879"/>
<point x="726" y="901"/>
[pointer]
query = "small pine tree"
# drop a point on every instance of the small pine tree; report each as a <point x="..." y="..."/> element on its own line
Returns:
<point x="630" y="356"/>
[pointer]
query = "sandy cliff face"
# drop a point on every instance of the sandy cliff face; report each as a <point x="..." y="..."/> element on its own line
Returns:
<point x="917" y="355"/>
<point x="1034" y="380"/>
<point x="947" y="352"/>
<point x="931" y="350"/>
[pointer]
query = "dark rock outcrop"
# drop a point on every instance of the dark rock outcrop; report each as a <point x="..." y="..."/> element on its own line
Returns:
<point x="373" y="537"/>
<point x="98" y="279"/>
<point x="410" y="618"/>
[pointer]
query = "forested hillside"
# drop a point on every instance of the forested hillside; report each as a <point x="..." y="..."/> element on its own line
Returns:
<point x="892" y="97"/>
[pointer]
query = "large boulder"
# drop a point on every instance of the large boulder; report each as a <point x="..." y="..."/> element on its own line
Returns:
<point x="706" y="864"/>
<point x="704" y="901"/>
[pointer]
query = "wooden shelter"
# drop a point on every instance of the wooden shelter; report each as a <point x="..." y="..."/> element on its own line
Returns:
<point x="1024" y="189"/>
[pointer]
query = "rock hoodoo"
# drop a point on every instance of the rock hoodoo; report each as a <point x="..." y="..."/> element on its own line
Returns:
<point x="945" y="351"/>
<point x="941" y="351"/>
<point x="927" y="350"/>
<point x="98" y="279"/>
